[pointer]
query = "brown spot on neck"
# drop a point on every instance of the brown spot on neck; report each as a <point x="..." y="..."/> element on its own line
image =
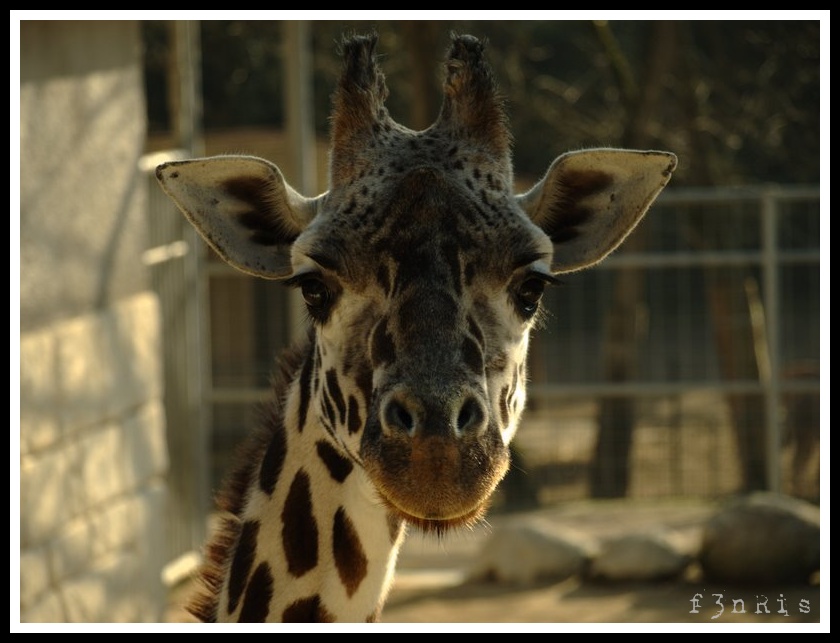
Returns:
<point x="307" y="610"/>
<point x="300" y="529"/>
<point x="348" y="552"/>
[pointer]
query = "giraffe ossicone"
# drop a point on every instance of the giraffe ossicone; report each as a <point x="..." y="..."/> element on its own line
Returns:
<point x="422" y="272"/>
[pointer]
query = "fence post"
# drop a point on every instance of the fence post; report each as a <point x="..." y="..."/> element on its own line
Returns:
<point x="770" y="271"/>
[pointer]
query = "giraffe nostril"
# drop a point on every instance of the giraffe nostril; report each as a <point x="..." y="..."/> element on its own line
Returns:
<point x="470" y="417"/>
<point x="399" y="417"/>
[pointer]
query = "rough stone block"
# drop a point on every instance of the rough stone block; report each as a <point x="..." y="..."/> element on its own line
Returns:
<point x="532" y="551"/>
<point x="639" y="557"/>
<point x="145" y="443"/>
<point x="73" y="550"/>
<point x="48" y="608"/>
<point x="34" y="577"/>
<point x="118" y="590"/>
<point x="85" y="373"/>
<point x="762" y="538"/>
<point x="102" y="464"/>
<point x="39" y="392"/>
<point x="124" y="455"/>
<point x="109" y="362"/>
<point x="49" y="494"/>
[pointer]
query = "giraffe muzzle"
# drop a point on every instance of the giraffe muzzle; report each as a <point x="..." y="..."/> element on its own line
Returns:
<point x="434" y="460"/>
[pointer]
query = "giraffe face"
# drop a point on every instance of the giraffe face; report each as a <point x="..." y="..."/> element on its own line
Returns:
<point x="422" y="309"/>
<point x="422" y="272"/>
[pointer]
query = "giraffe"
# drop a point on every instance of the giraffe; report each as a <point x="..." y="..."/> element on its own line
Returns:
<point x="422" y="273"/>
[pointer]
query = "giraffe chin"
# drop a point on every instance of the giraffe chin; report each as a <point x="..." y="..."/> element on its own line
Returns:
<point x="435" y="483"/>
<point x="440" y="526"/>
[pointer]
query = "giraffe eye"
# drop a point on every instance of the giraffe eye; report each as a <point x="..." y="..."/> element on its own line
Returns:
<point x="317" y="296"/>
<point x="528" y="295"/>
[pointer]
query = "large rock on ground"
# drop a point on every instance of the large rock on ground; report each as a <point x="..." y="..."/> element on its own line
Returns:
<point x="762" y="538"/>
<point x="649" y="556"/>
<point x="530" y="552"/>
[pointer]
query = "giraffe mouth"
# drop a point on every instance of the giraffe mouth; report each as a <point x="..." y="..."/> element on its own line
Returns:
<point x="436" y="483"/>
<point x="430" y="523"/>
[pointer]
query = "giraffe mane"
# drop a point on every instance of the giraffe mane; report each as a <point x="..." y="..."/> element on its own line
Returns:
<point x="232" y="494"/>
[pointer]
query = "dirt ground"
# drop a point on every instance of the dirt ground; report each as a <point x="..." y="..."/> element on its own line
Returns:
<point x="430" y="587"/>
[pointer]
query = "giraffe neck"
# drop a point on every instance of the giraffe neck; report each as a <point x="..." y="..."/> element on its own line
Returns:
<point x="314" y="542"/>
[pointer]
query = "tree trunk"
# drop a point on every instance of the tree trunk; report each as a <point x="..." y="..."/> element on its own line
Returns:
<point x="726" y="296"/>
<point x="610" y="473"/>
<point x="733" y="332"/>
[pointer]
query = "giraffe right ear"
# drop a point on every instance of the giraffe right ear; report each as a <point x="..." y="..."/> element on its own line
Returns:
<point x="590" y="200"/>
<point x="242" y="207"/>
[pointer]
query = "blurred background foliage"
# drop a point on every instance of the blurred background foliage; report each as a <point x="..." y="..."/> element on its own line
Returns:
<point x="738" y="101"/>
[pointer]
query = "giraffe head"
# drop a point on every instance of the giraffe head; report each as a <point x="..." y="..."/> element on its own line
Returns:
<point x="422" y="271"/>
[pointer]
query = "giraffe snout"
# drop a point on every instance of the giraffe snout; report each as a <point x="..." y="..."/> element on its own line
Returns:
<point x="407" y="413"/>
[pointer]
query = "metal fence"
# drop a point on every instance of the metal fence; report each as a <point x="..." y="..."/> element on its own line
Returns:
<point x="725" y="319"/>
<point x="723" y="330"/>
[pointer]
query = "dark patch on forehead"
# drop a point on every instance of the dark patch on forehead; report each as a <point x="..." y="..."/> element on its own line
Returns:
<point x="569" y="212"/>
<point x="307" y="610"/>
<point x="335" y="394"/>
<point x="426" y="311"/>
<point x="413" y="263"/>
<point x="243" y="560"/>
<point x="300" y="529"/>
<point x="424" y="236"/>
<point x="433" y="256"/>
<point x="273" y="460"/>
<point x="258" y="595"/>
<point x="259" y="217"/>
<point x="338" y="466"/>
<point x="350" y="559"/>
<point x="430" y="226"/>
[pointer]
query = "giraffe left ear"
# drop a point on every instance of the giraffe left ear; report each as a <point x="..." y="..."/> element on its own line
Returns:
<point x="589" y="201"/>
<point x="242" y="207"/>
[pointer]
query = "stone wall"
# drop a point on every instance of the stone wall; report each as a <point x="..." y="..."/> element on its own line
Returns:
<point x="93" y="462"/>
<point x="93" y="455"/>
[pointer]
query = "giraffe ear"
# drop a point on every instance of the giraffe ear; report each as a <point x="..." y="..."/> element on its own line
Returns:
<point x="589" y="201"/>
<point x="242" y="207"/>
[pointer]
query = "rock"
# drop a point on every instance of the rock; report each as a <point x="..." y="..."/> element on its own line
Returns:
<point x="762" y="538"/>
<point x="639" y="557"/>
<point x="530" y="552"/>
